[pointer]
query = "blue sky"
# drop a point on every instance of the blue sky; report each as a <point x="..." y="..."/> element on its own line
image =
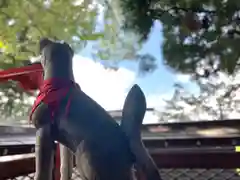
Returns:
<point x="110" y="88"/>
<point x="162" y="79"/>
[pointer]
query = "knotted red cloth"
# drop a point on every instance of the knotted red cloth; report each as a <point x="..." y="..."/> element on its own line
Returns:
<point x="52" y="91"/>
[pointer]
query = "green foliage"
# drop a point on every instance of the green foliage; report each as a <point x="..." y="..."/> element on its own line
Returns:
<point x="23" y="23"/>
<point x="212" y="47"/>
<point x="116" y="44"/>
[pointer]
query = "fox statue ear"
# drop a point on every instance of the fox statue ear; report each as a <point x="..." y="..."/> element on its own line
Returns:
<point x="43" y="43"/>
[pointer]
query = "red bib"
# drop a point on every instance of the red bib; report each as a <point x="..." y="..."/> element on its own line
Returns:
<point x="52" y="91"/>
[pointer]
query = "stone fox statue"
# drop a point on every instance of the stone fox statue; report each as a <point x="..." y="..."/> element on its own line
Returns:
<point x="63" y="112"/>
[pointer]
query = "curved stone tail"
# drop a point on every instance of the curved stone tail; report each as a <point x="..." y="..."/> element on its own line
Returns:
<point x="132" y="117"/>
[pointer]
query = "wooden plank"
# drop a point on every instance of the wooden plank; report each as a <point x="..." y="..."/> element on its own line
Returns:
<point x="16" y="149"/>
<point x="182" y="130"/>
<point x="16" y="130"/>
<point x="200" y="143"/>
<point x="17" y="167"/>
<point x="219" y="160"/>
<point x="188" y="130"/>
<point x="202" y="123"/>
<point x="191" y="142"/>
<point x="192" y="150"/>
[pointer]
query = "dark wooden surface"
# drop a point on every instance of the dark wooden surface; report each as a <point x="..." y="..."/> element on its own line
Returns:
<point x="171" y="146"/>
<point x="163" y="159"/>
<point x="16" y="167"/>
<point x="202" y="129"/>
<point x="7" y="150"/>
<point x="214" y="160"/>
<point x="191" y="142"/>
<point x="224" y="128"/>
<point x="212" y="133"/>
<point x="12" y="148"/>
<point x="16" y="130"/>
<point x="172" y="135"/>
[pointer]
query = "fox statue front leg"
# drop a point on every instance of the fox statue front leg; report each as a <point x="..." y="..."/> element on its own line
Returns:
<point x="44" y="150"/>
<point x="66" y="168"/>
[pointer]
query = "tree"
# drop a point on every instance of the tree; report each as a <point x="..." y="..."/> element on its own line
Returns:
<point x="23" y="23"/>
<point x="118" y="45"/>
<point x="217" y="99"/>
<point x="204" y="35"/>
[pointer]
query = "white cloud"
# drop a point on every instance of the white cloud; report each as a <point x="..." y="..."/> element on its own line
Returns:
<point x="150" y="118"/>
<point x="157" y="102"/>
<point x="107" y="87"/>
<point x="183" y="78"/>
